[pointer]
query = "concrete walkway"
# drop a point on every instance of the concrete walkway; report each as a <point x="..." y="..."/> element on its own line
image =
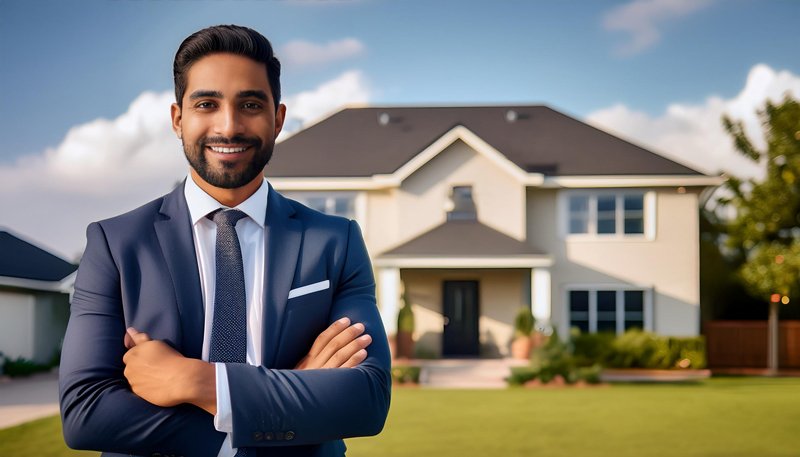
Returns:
<point x="465" y="373"/>
<point x="26" y="399"/>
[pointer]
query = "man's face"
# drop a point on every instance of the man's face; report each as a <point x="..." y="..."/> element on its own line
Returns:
<point x="228" y="123"/>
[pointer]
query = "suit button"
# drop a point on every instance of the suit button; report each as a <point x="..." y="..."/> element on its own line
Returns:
<point x="289" y="435"/>
<point x="268" y="436"/>
<point x="258" y="436"/>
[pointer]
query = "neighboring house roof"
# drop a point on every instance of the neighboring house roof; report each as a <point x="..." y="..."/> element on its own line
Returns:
<point x="361" y="142"/>
<point x="23" y="260"/>
<point x="467" y="238"/>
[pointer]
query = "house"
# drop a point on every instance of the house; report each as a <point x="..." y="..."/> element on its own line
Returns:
<point x="34" y="299"/>
<point x="477" y="211"/>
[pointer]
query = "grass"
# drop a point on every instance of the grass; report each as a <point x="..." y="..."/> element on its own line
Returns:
<point x="730" y="417"/>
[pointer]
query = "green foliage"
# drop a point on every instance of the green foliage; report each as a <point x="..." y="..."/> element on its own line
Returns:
<point x="766" y="230"/>
<point x="591" y="348"/>
<point x="523" y="322"/>
<point x="405" y="374"/>
<point x="638" y="349"/>
<point x="521" y="375"/>
<point x="552" y="359"/>
<point x="405" y="318"/>
<point x="22" y="367"/>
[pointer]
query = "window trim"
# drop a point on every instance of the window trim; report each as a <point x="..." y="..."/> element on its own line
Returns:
<point x="620" y="289"/>
<point x="649" y="214"/>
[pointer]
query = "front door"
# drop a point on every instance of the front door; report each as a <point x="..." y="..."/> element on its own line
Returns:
<point x="461" y="313"/>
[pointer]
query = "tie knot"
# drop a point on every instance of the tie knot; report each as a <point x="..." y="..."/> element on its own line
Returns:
<point x="226" y="217"/>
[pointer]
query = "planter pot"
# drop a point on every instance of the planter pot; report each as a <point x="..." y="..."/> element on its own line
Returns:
<point x="521" y="348"/>
<point x="405" y="345"/>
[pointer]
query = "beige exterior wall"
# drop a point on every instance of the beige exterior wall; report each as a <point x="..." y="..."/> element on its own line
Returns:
<point x="500" y="294"/>
<point x="668" y="264"/>
<point x="421" y="202"/>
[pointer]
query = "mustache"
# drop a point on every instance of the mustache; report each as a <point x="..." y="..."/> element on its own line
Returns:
<point x="236" y="139"/>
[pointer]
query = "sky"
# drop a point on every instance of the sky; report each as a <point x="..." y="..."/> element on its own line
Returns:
<point x="88" y="84"/>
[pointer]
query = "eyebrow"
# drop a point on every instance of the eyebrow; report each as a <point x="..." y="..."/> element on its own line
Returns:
<point x="254" y="93"/>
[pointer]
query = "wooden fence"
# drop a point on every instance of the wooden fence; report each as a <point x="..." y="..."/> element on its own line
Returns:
<point x="743" y="344"/>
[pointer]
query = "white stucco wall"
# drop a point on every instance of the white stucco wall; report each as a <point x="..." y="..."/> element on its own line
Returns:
<point x="668" y="264"/>
<point x="17" y="312"/>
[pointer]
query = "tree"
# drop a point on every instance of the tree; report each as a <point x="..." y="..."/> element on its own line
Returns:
<point x="765" y="233"/>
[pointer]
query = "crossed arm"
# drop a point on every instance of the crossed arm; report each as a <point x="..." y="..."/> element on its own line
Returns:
<point x="110" y="406"/>
<point x="161" y="375"/>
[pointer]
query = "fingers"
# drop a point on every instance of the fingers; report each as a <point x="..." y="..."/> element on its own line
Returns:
<point x="338" y="342"/>
<point x="134" y="337"/>
<point x="351" y="354"/>
<point x="326" y="336"/>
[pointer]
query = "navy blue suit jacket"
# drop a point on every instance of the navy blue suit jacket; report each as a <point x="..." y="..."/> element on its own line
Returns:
<point x="140" y="269"/>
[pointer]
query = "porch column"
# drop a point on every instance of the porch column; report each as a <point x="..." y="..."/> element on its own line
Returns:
<point x="389" y="296"/>
<point x="540" y="296"/>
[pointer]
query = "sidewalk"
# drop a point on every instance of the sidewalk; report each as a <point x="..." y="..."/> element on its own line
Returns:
<point x="26" y="399"/>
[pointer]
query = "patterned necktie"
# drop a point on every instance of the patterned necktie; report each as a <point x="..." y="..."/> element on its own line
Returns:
<point x="229" y="329"/>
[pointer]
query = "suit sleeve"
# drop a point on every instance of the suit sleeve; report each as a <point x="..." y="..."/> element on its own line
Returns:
<point x="280" y="407"/>
<point x="98" y="409"/>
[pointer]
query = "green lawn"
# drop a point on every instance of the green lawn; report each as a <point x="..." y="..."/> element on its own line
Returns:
<point x="724" y="417"/>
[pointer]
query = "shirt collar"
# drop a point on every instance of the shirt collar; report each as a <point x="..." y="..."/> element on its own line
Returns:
<point x="200" y="203"/>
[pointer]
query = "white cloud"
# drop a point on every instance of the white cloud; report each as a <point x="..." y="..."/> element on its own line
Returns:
<point x="642" y="19"/>
<point x="693" y="134"/>
<point x="105" y="167"/>
<point x="349" y="88"/>
<point x="301" y="53"/>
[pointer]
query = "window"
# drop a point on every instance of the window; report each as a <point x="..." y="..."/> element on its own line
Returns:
<point x="606" y="213"/>
<point x="463" y="205"/>
<point x="607" y="309"/>
<point x="334" y="203"/>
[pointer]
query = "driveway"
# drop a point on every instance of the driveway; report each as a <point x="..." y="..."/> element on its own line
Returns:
<point x="26" y="399"/>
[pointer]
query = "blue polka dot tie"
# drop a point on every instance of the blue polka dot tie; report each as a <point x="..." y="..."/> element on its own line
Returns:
<point x="229" y="329"/>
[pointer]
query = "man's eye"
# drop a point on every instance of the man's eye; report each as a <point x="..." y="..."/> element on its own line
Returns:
<point x="252" y="106"/>
<point x="204" y="105"/>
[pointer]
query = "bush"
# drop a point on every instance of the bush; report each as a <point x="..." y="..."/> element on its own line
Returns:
<point x="22" y="367"/>
<point x="638" y="349"/>
<point x="521" y="375"/>
<point x="406" y="374"/>
<point x="523" y="322"/>
<point x="405" y="317"/>
<point x="591" y="348"/>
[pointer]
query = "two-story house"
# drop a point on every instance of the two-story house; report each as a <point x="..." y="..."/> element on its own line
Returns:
<point x="477" y="211"/>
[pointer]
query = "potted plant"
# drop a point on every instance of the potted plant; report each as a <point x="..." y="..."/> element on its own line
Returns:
<point x="523" y="326"/>
<point x="405" y="330"/>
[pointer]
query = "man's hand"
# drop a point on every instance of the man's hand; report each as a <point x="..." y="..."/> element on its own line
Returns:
<point x="162" y="376"/>
<point x="339" y="346"/>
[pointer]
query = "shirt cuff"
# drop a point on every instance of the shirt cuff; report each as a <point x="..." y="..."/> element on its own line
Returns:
<point x="223" y="420"/>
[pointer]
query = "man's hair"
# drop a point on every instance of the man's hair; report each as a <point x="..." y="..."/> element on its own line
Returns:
<point x="232" y="39"/>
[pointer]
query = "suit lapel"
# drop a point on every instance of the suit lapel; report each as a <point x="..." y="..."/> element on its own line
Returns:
<point x="175" y="237"/>
<point x="282" y="246"/>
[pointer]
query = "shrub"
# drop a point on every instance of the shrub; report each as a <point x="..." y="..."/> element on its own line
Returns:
<point x="405" y="374"/>
<point x="22" y="367"/>
<point x="521" y="375"/>
<point x="591" y="349"/>
<point x="405" y="317"/>
<point x="523" y="322"/>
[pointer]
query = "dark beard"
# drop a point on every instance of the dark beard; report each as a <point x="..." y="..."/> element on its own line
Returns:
<point x="227" y="178"/>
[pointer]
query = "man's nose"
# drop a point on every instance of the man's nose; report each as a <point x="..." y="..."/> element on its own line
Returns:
<point x="229" y="123"/>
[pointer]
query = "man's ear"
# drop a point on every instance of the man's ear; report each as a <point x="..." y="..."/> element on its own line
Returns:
<point x="175" y="112"/>
<point x="280" y="116"/>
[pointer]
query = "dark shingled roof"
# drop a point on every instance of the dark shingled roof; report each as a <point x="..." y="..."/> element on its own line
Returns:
<point x="467" y="238"/>
<point x="20" y="259"/>
<point x="353" y="143"/>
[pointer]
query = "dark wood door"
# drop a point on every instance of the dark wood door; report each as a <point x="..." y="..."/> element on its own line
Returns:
<point x="461" y="337"/>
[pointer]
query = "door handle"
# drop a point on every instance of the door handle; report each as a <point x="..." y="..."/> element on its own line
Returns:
<point x="446" y="320"/>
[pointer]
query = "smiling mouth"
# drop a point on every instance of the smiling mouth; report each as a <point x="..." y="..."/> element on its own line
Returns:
<point x="224" y="150"/>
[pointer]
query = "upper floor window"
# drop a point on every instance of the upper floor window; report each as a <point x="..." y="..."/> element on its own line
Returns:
<point x="606" y="213"/>
<point x="463" y="204"/>
<point x="337" y="204"/>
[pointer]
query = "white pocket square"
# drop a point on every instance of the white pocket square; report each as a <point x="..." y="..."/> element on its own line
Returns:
<point x="311" y="288"/>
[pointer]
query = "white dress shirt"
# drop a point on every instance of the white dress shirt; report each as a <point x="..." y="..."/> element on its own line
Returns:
<point x="250" y="231"/>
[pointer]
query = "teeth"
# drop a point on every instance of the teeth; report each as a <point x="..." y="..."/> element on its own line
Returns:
<point x="227" y="150"/>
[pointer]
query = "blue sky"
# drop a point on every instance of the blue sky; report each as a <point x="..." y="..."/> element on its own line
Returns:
<point x="68" y="62"/>
<point x="87" y="83"/>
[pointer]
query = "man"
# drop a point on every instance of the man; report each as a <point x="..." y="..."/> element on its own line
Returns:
<point x="224" y="319"/>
